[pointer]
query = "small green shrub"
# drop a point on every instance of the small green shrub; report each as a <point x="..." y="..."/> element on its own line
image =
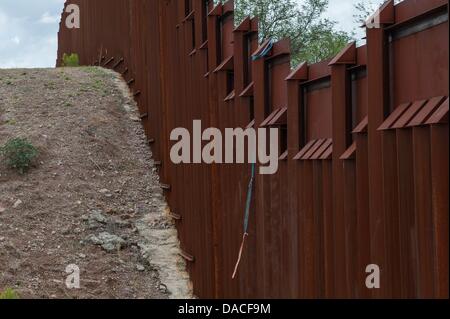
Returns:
<point x="71" y="60"/>
<point x="19" y="154"/>
<point x="9" y="294"/>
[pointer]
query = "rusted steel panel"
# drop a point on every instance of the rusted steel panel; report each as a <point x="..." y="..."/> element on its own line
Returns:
<point x="351" y="270"/>
<point x="340" y="87"/>
<point x="439" y="164"/>
<point x="408" y="234"/>
<point x="307" y="264"/>
<point x="408" y="10"/>
<point x="363" y="254"/>
<point x="376" y="110"/>
<point x="391" y="199"/>
<point x="427" y="50"/>
<point x="363" y="171"/>
<point x="328" y="232"/>
<point x="423" y="210"/>
<point x="318" y="235"/>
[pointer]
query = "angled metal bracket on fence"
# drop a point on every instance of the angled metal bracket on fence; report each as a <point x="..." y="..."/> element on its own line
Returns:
<point x="361" y="128"/>
<point x="118" y="63"/>
<point x="350" y="153"/>
<point x="109" y="61"/>
<point x="416" y="113"/>
<point x="175" y="216"/>
<point x="166" y="187"/>
<point x="187" y="257"/>
<point x="158" y="163"/>
<point x="248" y="91"/>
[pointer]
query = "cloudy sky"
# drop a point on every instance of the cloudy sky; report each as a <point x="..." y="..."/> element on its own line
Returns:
<point x="28" y="30"/>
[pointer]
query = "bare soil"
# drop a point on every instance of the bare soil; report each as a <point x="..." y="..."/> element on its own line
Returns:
<point x="94" y="174"/>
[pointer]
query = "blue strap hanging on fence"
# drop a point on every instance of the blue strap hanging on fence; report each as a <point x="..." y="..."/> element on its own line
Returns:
<point x="246" y="217"/>
<point x="264" y="52"/>
<point x="248" y="203"/>
<point x="249" y="198"/>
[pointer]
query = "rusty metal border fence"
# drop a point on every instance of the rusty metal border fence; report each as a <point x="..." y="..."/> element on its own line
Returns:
<point x="363" y="170"/>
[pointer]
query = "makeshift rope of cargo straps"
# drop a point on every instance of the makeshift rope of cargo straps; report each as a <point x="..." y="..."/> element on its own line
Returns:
<point x="265" y="51"/>
<point x="246" y="217"/>
<point x="260" y="55"/>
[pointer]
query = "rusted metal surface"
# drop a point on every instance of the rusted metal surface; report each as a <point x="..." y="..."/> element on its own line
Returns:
<point x="363" y="171"/>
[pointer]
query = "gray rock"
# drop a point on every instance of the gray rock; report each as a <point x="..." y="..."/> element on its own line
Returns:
<point x="109" y="242"/>
<point x="97" y="216"/>
<point x="17" y="203"/>
<point x="139" y="267"/>
<point x="96" y="219"/>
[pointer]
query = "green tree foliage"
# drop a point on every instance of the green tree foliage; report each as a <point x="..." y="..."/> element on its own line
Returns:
<point x="364" y="9"/>
<point x="313" y="38"/>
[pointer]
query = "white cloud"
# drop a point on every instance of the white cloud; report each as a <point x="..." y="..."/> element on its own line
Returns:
<point x="343" y="11"/>
<point x="46" y="18"/>
<point x="16" y="40"/>
<point x="28" y="33"/>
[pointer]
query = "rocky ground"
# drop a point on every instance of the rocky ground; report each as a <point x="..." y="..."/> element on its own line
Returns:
<point x="92" y="198"/>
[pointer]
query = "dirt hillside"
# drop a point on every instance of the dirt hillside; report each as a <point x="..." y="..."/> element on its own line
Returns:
<point x="92" y="198"/>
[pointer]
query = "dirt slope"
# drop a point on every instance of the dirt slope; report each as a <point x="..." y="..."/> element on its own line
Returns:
<point x="93" y="198"/>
